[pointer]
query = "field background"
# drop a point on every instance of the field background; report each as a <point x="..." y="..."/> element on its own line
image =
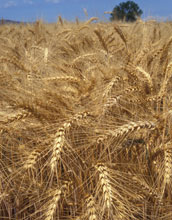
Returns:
<point x="86" y="121"/>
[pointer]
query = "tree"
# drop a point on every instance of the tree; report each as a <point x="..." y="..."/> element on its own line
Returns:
<point x="126" y="11"/>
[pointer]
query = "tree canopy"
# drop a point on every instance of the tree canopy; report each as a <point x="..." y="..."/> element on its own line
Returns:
<point x="126" y="11"/>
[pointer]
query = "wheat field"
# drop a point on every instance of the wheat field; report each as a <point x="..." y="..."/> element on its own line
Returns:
<point x="86" y="121"/>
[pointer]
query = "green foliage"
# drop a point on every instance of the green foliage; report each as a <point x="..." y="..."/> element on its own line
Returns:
<point x="126" y="11"/>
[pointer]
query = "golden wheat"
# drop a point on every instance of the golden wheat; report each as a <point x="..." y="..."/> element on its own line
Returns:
<point x="86" y="126"/>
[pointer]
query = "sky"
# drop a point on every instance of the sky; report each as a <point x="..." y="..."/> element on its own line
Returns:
<point x="49" y="10"/>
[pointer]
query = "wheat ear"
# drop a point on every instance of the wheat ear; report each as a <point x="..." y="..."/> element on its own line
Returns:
<point x="60" y="138"/>
<point x="46" y="55"/>
<point x="165" y="82"/>
<point x="130" y="69"/>
<point x="105" y="185"/>
<point x="164" y="52"/>
<point x="102" y="41"/>
<point x="60" y="20"/>
<point x="57" y="147"/>
<point x="51" y="205"/>
<point x="91" y="19"/>
<point x="31" y="160"/>
<point x="84" y="56"/>
<point x="91" y="209"/>
<point x="77" y="20"/>
<point x="19" y="116"/>
<point x="62" y="78"/>
<point x="168" y="163"/>
<point x="147" y="76"/>
<point x="132" y="126"/>
<point x="14" y="60"/>
<point x="110" y="86"/>
<point x="127" y="128"/>
<point x="110" y="102"/>
<point x="144" y="187"/>
<point x="121" y="34"/>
